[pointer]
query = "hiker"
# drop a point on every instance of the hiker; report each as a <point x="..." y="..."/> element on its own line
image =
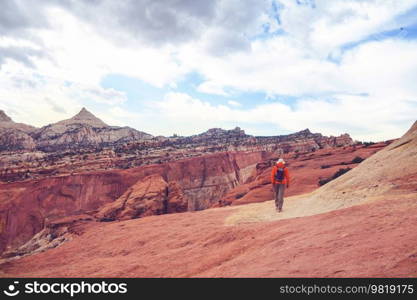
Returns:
<point x="280" y="178"/>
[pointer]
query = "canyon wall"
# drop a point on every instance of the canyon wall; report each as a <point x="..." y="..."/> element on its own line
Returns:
<point x="27" y="207"/>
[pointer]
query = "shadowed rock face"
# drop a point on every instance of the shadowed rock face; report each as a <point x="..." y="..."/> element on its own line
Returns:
<point x="12" y="139"/>
<point x="148" y="196"/>
<point x="26" y="208"/>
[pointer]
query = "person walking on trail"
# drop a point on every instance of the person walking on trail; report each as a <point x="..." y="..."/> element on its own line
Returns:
<point x="280" y="177"/>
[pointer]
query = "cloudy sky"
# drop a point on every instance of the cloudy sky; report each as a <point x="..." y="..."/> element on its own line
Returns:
<point x="183" y="66"/>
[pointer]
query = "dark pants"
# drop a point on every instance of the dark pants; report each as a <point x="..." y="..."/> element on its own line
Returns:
<point x="279" y="195"/>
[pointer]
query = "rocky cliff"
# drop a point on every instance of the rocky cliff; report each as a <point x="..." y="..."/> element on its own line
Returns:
<point x="191" y="184"/>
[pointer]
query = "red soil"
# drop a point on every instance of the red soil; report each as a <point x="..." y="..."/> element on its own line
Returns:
<point x="377" y="239"/>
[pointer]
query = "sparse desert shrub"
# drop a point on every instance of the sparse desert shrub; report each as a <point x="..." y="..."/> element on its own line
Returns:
<point x="357" y="160"/>
<point x="324" y="181"/>
<point x="339" y="173"/>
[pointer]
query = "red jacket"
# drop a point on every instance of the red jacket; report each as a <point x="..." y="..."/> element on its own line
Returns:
<point x="286" y="179"/>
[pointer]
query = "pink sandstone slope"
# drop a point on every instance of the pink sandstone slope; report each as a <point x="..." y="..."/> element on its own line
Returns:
<point x="377" y="239"/>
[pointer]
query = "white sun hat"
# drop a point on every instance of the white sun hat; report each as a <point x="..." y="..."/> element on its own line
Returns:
<point x="280" y="161"/>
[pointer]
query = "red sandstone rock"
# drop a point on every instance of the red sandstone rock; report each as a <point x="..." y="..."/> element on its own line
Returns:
<point x="177" y="202"/>
<point x="146" y="197"/>
<point x="195" y="183"/>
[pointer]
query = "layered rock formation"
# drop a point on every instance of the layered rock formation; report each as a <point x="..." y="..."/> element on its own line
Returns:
<point x="190" y="184"/>
<point x="27" y="207"/>
<point x="81" y="155"/>
<point x="83" y="131"/>
<point x="151" y="195"/>
<point x="15" y="140"/>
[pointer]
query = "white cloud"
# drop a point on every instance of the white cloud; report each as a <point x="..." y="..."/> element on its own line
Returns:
<point x="211" y="87"/>
<point x="38" y="100"/>
<point x="370" y="91"/>
<point x="233" y="103"/>
<point x="365" y="116"/>
<point x="80" y="55"/>
<point x="327" y="25"/>
<point x="97" y="94"/>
